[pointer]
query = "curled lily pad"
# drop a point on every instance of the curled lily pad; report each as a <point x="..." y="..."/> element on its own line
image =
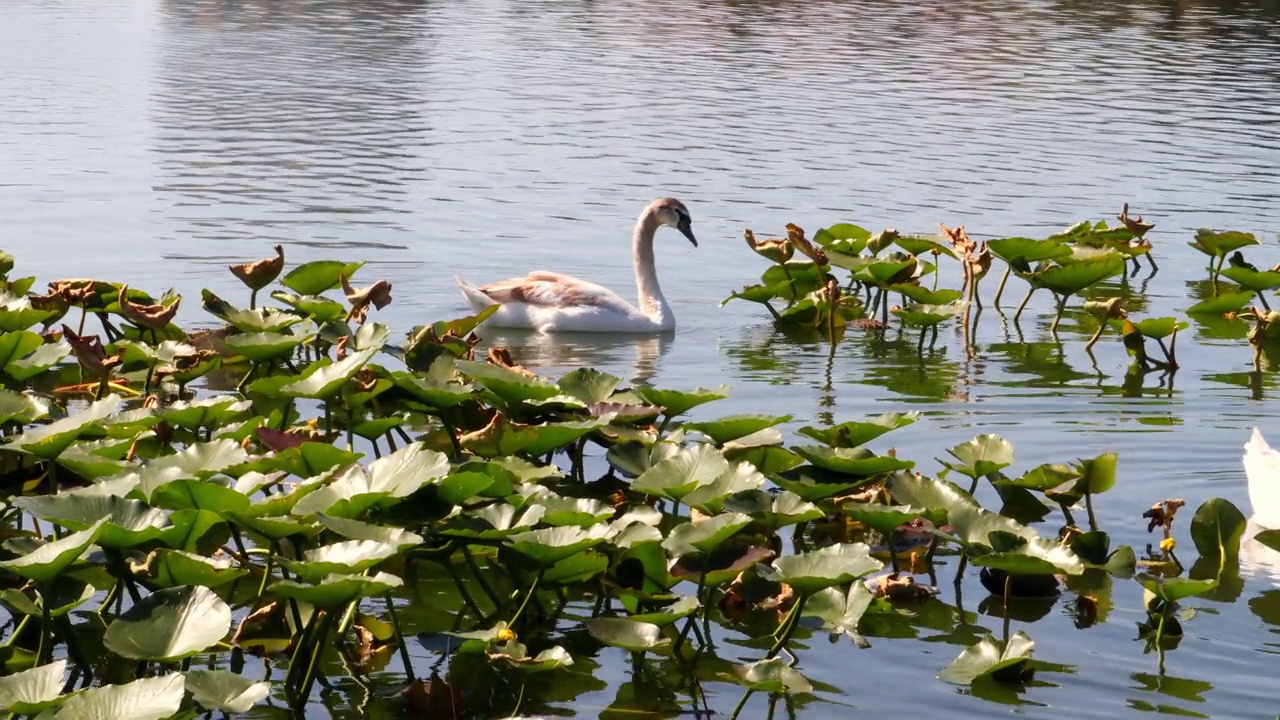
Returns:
<point x="918" y="315"/>
<point x="988" y="657"/>
<point x="839" y="611"/>
<point x="317" y="276"/>
<point x="628" y="634"/>
<point x="264" y="346"/>
<point x="170" y="625"/>
<point x="128" y="522"/>
<point x="589" y="385"/>
<point x="774" y="675"/>
<point x="21" y="408"/>
<point x="224" y="690"/>
<point x="1218" y="244"/>
<point x="171" y="568"/>
<point x="1174" y="589"/>
<point x="807" y="573"/>
<point x="775" y="512"/>
<point x="516" y="655"/>
<point x="509" y="386"/>
<point x="399" y="538"/>
<point x="681" y="608"/>
<point x="981" y="456"/>
<point x="327" y="378"/>
<point x="710" y="498"/>
<point x="1217" y="528"/>
<point x="342" y="558"/>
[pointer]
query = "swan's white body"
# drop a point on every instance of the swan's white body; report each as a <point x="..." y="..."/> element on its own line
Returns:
<point x="1262" y="468"/>
<point x="551" y="302"/>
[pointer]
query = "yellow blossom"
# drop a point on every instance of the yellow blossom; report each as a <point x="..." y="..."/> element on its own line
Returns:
<point x="1168" y="544"/>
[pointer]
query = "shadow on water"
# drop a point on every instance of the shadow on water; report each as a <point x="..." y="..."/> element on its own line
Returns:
<point x="634" y="358"/>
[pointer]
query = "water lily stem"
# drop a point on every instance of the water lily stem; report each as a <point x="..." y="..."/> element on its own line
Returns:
<point x="1093" y="340"/>
<point x="1000" y="288"/>
<point x="322" y="634"/>
<point x="1023" y="305"/>
<point x="462" y="589"/>
<point x="46" y="631"/>
<point x="789" y="624"/>
<point x="533" y="589"/>
<point x="741" y="704"/>
<point x="1008" y="590"/>
<point x="484" y="584"/>
<point x="399" y="637"/>
<point x="1057" y="318"/>
<point x="253" y="298"/>
<point x="1088" y="507"/>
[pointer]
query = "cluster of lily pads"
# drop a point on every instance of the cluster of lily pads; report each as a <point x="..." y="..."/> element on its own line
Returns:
<point x="801" y="288"/>
<point x="155" y="538"/>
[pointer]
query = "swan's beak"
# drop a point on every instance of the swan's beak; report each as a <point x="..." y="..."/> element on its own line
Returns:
<point x="687" y="231"/>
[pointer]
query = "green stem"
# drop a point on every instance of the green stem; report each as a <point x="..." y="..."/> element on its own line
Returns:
<point x="399" y="637"/>
<point x="741" y="704"/>
<point x="1023" y="305"/>
<point x="1088" y="507"/>
<point x="484" y="584"/>
<point x="322" y="634"/>
<point x="533" y="589"/>
<point x="1008" y="589"/>
<point x="1093" y="340"/>
<point x="790" y="623"/>
<point x="1000" y="288"/>
<point x="46" y="631"/>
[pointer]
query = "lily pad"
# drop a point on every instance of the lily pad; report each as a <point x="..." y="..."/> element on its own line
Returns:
<point x="30" y="691"/>
<point x="677" y="402"/>
<point x="337" y="591"/>
<point x="589" y="385"/>
<point x="854" y="433"/>
<point x="851" y="461"/>
<point x="49" y="560"/>
<point x="731" y="428"/>
<point x="154" y="698"/>
<point x="170" y="625"/>
<point x="315" y="277"/>
<point x="48" y="441"/>
<point x="840" y="612"/>
<point x="628" y="634"/>
<point x="774" y="675"/>
<point x="224" y="690"/>
<point x="981" y="456"/>
<point x="807" y="573"/>
<point x="1217" y="528"/>
<point x="704" y="535"/>
<point x="988" y="657"/>
<point x="680" y="475"/>
<point x="550" y="545"/>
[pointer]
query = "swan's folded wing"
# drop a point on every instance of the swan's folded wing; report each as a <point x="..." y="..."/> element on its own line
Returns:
<point x="1262" y="469"/>
<point x="549" y="289"/>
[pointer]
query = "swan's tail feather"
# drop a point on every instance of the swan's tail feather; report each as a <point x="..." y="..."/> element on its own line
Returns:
<point x="1262" y="468"/>
<point x="475" y="297"/>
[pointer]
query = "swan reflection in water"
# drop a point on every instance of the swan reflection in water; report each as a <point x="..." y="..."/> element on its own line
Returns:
<point x="552" y="355"/>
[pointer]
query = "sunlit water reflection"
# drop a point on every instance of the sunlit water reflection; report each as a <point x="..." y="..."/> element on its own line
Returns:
<point x="156" y="142"/>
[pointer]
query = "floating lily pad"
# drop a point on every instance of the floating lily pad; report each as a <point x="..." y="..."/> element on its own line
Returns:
<point x="704" y="535"/>
<point x="851" y="461"/>
<point x="48" y="561"/>
<point x="680" y="475"/>
<point x="629" y="634"/>
<point x="1225" y="303"/>
<point x="981" y="456"/>
<point x="854" y="433"/>
<point x="774" y="675"/>
<point x="337" y="591"/>
<point x="840" y="612"/>
<point x="677" y="402"/>
<point x="589" y="385"/>
<point x="225" y="691"/>
<point x="988" y="657"/>
<point x="550" y="545"/>
<point x="731" y="428"/>
<point x="516" y="655"/>
<point x="48" y="441"/>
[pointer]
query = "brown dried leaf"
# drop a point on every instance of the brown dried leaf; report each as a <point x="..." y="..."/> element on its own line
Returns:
<point x="1162" y="513"/>
<point x="155" y="317"/>
<point x="795" y="234"/>
<point x="502" y="358"/>
<point x="1137" y="227"/>
<point x="779" y="250"/>
<point x="377" y="295"/>
<point x="90" y="352"/>
<point x="260" y="273"/>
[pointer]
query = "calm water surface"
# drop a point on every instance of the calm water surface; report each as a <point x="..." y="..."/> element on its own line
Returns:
<point x="155" y="141"/>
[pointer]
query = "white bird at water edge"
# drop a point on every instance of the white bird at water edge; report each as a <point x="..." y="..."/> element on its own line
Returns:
<point x="1262" y="468"/>
<point x="552" y="302"/>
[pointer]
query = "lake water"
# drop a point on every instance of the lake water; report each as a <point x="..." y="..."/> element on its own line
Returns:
<point x="157" y="141"/>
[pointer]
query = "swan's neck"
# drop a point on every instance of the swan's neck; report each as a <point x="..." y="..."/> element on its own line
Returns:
<point x="652" y="303"/>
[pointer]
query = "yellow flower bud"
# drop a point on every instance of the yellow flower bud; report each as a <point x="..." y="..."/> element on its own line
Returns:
<point x="1168" y="544"/>
<point x="506" y="634"/>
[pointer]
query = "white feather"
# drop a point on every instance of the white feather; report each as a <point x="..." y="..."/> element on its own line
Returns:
<point x="1262" y="468"/>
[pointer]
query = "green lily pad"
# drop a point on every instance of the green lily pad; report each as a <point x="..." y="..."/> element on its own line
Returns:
<point x="550" y="545"/>
<point x="516" y="655"/>
<point x="38" y="361"/>
<point x="207" y="412"/>
<point x="589" y="385"/>
<point x="775" y="512"/>
<point x="399" y="538"/>
<point x="169" y="625"/>
<point x="173" y="568"/>
<point x="1225" y="303"/>
<point x="325" y="381"/>
<point x="225" y="691"/>
<point x="680" y="475"/>
<point x="337" y="591"/>
<point x="988" y="657"/>
<point x="682" y="608"/>
<point x="807" y="573"/>
<point x="884" y="518"/>
<point x="583" y="512"/>
<point x="128" y="523"/>
<point x="981" y="456"/>
<point x="508" y="385"/>
<point x="21" y="408"/>
<point x="17" y="313"/>
<point x="731" y="428"/>
<point x="1174" y="589"/>
<point x="1072" y="278"/>
<point x="264" y="346"/>
<point x="49" y="560"/>
<point x="397" y="475"/>
<point x="1255" y="280"/>
<point x="48" y="441"/>
<point x="929" y="493"/>
<point x="341" y="558"/>
<point x="704" y="535"/>
<point x="1022" y="251"/>
<point x="315" y="277"/>
<point x="738" y="478"/>
<point x="918" y="315"/>
<point x="840" y="612"/>
<point x="318" y="308"/>
<point x="1217" y="528"/>
<point x="154" y="698"/>
<point x="677" y="402"/>
<point x="774" y="675"/>
<point x="63" y="595"/>
<point x="629" y="634"/>
<point x="1218" y="244"/>
<point x="925" y="297"/>
<point x="854" y="433"/>
<point x="262" y="320"/>
<point x="30" y="691"/>
<point x="851" y="461"/>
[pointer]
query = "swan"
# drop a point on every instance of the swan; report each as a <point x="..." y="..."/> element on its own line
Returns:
<point x="551" y="302"/>
<point x="1262" y="468"/>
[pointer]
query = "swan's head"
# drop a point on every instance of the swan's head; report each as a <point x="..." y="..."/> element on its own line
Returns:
<point x="672" y="213"/>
